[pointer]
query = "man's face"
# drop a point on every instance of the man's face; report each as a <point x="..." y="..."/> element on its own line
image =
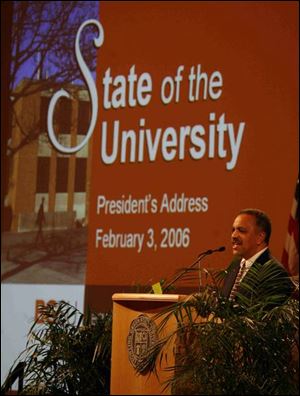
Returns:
<point x="247" y="239"/>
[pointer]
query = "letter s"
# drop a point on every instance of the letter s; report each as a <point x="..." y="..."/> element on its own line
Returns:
<point x="98" y="41"/>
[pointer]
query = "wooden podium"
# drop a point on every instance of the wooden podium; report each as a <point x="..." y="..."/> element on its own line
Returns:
<point x="132" y="330"/>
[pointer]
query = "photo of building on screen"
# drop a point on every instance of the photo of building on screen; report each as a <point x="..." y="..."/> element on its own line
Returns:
<point x="38" y="172"/>
<point x="46" y="206"/>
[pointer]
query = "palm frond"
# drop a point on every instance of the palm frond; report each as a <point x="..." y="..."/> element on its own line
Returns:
<point x="69" y="353"/>
<point x="245" y="346"/>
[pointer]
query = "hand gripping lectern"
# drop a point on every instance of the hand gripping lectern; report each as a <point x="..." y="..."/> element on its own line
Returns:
<point x="133" y="330"/>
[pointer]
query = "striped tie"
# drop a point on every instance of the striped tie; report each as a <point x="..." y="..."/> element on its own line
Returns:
<point x="238" y="279"/>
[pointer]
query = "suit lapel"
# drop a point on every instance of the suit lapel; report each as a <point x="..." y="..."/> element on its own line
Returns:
<point x="230" y="277"/>
<point x="234" y="269"/>
<point x="264" y="257"/>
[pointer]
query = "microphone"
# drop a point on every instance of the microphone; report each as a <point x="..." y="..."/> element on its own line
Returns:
<point x="210" y="251"/>
<point x="199" y="258"/>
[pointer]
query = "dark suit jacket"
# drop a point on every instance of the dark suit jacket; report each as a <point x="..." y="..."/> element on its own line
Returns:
<point x="281" y="284"/>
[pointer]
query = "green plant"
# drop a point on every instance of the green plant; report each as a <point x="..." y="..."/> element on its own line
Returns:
<point x="69" y="353"/>
<point x="244" y="347"/>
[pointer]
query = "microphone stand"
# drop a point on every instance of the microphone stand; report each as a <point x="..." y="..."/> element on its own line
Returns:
<point x="199" y="258"/>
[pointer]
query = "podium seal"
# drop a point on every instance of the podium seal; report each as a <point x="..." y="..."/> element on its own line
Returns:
<point x="142" y="335"/>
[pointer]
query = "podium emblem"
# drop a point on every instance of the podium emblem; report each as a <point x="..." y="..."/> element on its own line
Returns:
<point x="142" y="335"/>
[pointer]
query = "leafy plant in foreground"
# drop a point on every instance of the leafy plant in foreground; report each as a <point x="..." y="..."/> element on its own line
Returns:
<point x="69" y="353"/>
<point x="248" y="346"/>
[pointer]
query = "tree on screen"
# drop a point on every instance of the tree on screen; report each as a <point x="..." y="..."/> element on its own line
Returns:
<point x="42" y="52"/>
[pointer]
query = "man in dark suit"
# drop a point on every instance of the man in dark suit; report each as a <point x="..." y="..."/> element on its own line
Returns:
<point x="254" y="274"/>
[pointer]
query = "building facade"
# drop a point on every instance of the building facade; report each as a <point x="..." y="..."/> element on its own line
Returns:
<point x="38" y="171"/>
